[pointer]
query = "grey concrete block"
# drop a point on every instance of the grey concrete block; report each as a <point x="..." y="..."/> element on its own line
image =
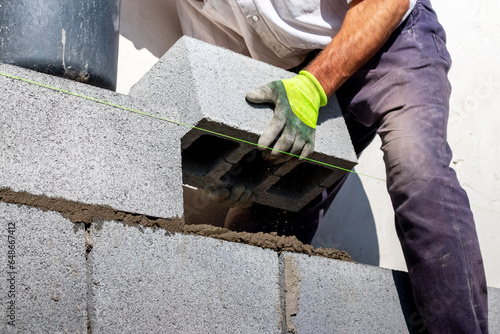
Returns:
<point x="204" y="86"/>
<point x="146" y="281"/>
<point x="62" y="145"/>
<point x="494" y="310"/>
<point x="43" y="278"/>
<point x="329" y="296"/>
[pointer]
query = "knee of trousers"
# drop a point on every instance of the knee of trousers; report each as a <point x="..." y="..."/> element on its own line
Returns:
<point x="430" y="204"/>
<point x="423" y="183"/>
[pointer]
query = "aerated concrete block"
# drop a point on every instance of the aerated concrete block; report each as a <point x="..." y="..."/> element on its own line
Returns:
<point x="204" y="86"/>
<point x="330" y="296"/>
<point x="144" y="280"/>
<point x="64" y="145"/>
<point x="43" y="272"/>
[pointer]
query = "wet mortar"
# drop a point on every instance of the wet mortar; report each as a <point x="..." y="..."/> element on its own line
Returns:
<point x="78" y="212"/>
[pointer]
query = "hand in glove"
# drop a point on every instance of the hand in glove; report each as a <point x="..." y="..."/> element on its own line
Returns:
<point x="297" y="102"/>
<point x="237" y="196"/>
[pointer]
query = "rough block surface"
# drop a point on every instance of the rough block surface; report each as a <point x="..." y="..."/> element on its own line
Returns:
<point x="146" y="281"/>
<point x="140" y="280"/>
<point x="43" y="278"/>
<point x="202" y="85"/>
<point x="63" y="145"/>
<point x="494" y="310"/>
<point x="329" y="296"/>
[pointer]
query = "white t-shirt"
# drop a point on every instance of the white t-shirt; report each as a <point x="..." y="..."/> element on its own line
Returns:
<point x="280" y="32"/>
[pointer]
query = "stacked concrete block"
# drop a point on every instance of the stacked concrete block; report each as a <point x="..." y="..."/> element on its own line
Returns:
<point x="42" y="272"/>
<point x="494" y="309"/>
<point x="63" y="145"/>
<point x="147" y="281"/>
<point x="205" y="87"/>
<point x="329" y="296"/>
<point x="139" y="279"/>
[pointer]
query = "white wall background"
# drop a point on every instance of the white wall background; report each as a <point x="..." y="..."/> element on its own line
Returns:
<point x="361" y="219"/>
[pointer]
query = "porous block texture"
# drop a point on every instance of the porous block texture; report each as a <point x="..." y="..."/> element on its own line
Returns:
<point x="43" y="272"/>
<point x="329" y="296"/>
<point x="494" y="310"/>
<point x="204" y="86"/>
<point x="63" y="145"/>
<point x="143" y="280"/>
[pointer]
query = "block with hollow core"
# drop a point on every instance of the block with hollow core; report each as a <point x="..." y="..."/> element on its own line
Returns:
<point x="204" y="86"/>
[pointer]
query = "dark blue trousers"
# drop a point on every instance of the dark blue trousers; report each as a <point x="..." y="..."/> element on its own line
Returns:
<point x="402" y="94"/>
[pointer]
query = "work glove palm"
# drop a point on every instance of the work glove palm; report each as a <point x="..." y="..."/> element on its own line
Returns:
<point x="297" y="102"/>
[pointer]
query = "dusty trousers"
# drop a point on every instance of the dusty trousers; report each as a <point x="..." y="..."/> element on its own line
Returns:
<point x="402" y="94"/>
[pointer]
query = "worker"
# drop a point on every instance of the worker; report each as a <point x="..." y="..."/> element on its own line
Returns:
<point x="387" y="62"/>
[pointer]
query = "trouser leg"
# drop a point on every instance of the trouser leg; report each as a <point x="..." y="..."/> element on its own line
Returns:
<point x="405" y="91"/>
<point x="434" y="223"/>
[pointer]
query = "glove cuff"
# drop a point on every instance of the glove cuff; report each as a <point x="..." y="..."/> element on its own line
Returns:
<point x="305" y="96"/>
<point x="315" y="82"/>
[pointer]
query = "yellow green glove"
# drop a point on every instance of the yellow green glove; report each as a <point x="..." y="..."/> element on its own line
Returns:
<point x="297" y="102"/>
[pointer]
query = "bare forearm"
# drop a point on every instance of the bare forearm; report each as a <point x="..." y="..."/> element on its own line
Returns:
<point x="367" y="26"/>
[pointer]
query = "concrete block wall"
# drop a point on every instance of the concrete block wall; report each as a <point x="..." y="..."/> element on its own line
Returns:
<point x="110" y="277"/>
<point x="79" y="182"/>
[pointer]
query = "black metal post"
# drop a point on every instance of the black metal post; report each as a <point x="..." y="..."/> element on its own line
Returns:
<point x="76" y="39"/>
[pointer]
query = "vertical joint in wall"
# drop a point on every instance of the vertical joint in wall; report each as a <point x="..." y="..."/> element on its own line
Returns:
<point x="89" y="244"/>
<point x="289" y="293"/>
<point x="281" y="266"/>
